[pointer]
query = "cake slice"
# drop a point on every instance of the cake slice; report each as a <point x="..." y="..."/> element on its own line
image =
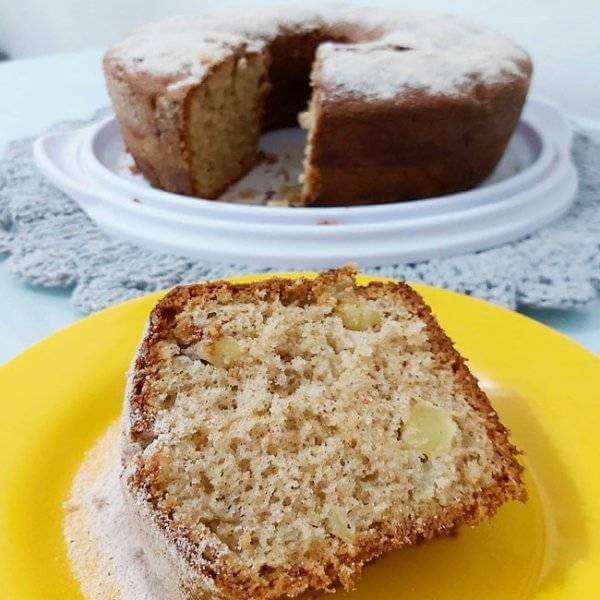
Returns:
<point x="280" y="435"/>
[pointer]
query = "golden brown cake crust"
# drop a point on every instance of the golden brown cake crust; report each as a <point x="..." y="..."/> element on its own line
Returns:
<point x="417" y="146"/>
<point x="169" y="547"/>
<point x="393" y="130"/>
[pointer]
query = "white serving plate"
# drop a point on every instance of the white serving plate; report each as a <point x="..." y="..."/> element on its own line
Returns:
<point x="534" y="184"/>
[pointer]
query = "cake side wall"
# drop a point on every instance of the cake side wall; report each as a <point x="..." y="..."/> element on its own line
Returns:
<point x="150" y="121"/>
<point x="417" y="146"/>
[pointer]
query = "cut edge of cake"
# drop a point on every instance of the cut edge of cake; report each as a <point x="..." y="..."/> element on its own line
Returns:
<point x="223" y="120"/>
<point x="203" y="569"/>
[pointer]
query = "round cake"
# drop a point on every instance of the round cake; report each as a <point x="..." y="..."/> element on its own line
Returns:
<point x="397" y="105"/>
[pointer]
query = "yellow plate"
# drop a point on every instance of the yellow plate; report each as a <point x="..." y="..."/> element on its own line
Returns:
<point x="61" y="394"/>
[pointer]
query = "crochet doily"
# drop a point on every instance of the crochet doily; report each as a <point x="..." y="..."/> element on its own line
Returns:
<point x="48" y="241"/>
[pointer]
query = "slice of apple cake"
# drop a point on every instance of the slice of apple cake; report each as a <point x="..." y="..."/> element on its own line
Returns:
<point x="281" y="434"/>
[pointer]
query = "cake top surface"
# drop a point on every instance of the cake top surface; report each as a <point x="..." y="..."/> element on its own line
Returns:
<point x="438" y="54"/>
<point x="179" y="51"/>
<point x="283" y="425"/>
<point x="393" y="51"/>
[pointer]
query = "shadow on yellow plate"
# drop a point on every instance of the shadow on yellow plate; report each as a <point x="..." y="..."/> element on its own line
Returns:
<point x="60" y="395"/>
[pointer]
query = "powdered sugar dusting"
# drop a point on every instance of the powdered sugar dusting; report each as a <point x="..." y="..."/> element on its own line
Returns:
<point x="104" y="550"/>
<point x="440" y="55"/>
<point x="266" y="22"/>
<point x="413" y="50"/>
<point x="177" y="50"/>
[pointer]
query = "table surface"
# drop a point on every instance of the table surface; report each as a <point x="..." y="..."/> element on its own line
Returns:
<point x="73" y="88"/>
